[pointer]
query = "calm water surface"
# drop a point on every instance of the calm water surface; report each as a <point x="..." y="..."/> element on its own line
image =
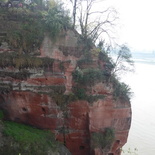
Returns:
<point x="142" y="132"/>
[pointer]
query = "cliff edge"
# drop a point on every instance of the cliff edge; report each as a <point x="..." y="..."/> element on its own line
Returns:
<point x="66" y="87"/>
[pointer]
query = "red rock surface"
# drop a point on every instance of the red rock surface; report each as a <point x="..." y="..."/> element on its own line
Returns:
<point x="72" y="123"/>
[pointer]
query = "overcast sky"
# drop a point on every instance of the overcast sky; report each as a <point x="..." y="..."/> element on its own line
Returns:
<point x="137" y="23"/>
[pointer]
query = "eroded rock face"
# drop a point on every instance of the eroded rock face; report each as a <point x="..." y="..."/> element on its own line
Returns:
<point x="38" y="101"/>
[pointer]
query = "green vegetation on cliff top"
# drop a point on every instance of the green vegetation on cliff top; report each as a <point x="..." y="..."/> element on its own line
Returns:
<point x="25" y="28"/>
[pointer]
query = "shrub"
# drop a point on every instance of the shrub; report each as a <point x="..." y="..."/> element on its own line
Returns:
<point x="27" y="28"/>
<point x="94" y="98"/>
<point x="103" y="140"/>
<point x="77" y="76"/>
<point x="62" y="100"/>
<point x="80" y="93"/>
<point x="85" y="61"/>
<point x="28" y="33"/>
<point x="22" y="61"/>
<point x="121" y="90"/>
<point x="88" y="76"/>
<point x="103" y="56"/>
<point x="1" y="114"/>
<point x="59" y="89"/>
<point x="56" y="20"/>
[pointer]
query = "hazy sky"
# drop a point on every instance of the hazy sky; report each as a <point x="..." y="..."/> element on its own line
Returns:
<point x="137" y="23"/>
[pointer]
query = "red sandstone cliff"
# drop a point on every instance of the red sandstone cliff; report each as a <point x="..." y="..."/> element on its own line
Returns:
<point x="45" y="100"/>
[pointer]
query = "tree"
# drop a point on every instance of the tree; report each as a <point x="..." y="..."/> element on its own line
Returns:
<point x="104" y="47"/>
<point x="123" y="62"/>
<point x="57" y="19"/>
<point x="91" y="22"/>
<point x="74" y="3"/>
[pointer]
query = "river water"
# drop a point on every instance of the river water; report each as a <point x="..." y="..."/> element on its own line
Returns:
<point x="141" y="140"/>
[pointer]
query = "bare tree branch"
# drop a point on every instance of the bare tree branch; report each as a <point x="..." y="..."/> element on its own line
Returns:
<point x="123" y="61"/>
<point x="92" y="23"/>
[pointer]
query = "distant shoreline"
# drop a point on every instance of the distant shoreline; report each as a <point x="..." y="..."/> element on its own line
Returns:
<point x="144" y="62"/>
<point x="147" y="58"/>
